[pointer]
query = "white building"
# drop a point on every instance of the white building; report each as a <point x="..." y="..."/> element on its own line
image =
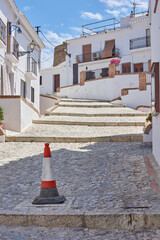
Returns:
<point x="19" y="72"/>
<point x="155" y="36"/>
<point x="88" y="59"/>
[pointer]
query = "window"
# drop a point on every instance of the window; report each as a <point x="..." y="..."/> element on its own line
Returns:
<point x="23" y="88"/>
<point x="90" y="75"/>
<point x="40" y="80"/>
<point x="126" y="67"/>
<point x="138" y="67"/>
<point x="105" y="72"/>
<point x="32" y="94"/>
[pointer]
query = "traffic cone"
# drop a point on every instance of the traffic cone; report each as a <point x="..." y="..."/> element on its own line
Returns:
<point x="49" y="193"/>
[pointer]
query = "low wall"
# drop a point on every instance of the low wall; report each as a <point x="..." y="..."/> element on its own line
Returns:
<point x="46" y="102"/>
<point x="101" y="89"/>
<point x="136" y="98"/>
<point x="18" y="113"/>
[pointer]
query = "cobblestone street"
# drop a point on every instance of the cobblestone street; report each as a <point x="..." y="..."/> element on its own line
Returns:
<point x="96" y="178"/>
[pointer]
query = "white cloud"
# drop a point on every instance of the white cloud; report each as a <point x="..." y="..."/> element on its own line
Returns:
<point x="76" y="29"/>
<point x="27" y="8"/>
<point x="115" y="13"/>
<point x="89" y="15"/>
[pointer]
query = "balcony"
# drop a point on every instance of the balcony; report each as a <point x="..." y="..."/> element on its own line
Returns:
<point x="31" y="73"/>
<point x="13" y="50"/>
<point x="142" y="42"/>
<point x="2" y="34"/>
<point x="100" y="55"/>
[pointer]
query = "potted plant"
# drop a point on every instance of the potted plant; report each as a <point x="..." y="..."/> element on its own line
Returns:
<point x="149" y="118"/>
<point x="1" y="117"/>
<point x="115" y="61"/>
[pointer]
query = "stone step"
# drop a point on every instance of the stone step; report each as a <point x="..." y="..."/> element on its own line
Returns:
<point x="92" y="121"/>
<point x="81" y="100"/>
<point x="90" y="105"/>
<point x="98" y="111"/>
<point x="98" y="115"/>
<point x="72" y="133"/>
<point x="121" y="221"/>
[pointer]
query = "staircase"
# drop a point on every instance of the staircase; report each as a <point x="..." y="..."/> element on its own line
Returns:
<point x="77" y="120"/>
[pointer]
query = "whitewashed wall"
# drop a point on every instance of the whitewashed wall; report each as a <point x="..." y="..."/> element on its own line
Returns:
<point x="136" y="98"/>
<point x="17" y="114"/>
<point x="45" y="103"/>
<point x="47" y="74"/>
<point x="103" y="89"/>
<point x="155" y="36"/>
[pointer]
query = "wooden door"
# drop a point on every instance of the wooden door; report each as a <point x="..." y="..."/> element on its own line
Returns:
<point x="75" y="73"/>
<point x="126" y="67"/>
<point x="87" y="50"/>
<point x="138" y="67"/>
<point x="56" y="82"/>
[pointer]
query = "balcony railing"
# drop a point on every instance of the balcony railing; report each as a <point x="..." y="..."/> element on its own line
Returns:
<point x="2" y="32"/>
<point x="31" y="65"/>
<point x="96" y="56"/>
<point x="140" y="42"/>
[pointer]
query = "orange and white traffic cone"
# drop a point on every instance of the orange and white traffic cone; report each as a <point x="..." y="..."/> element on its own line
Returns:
<point x="49" y="193"/>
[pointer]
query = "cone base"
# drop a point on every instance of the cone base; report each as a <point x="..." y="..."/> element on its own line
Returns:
<point x="52" y="200"/>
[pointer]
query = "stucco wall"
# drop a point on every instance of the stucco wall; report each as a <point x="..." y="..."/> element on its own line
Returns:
<point x="104" y="89"/>
<point x="45" y="103"/>
<point x="136" y="98"/>
<point x="17" y="114"/>
<point x="156" y="137"/>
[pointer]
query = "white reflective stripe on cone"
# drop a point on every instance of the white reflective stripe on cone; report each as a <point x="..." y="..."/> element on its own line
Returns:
<point x="47" y="174"/>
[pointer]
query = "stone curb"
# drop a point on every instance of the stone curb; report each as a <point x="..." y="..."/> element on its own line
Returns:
<point x="124" y="221"/>
<point x="101" y="124"/>
<point x="121" y="138"/>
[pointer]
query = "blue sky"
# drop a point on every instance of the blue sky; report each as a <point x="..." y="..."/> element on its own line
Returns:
<point x="61" y="19"/>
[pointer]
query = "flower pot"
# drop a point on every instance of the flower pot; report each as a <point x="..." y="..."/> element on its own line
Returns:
<point x="1" y="124"/>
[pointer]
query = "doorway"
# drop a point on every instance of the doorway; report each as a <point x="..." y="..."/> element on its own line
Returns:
<point x="56" y="82"/>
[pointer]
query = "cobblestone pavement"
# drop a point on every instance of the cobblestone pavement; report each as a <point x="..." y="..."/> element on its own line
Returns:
<point x="94" y="177"/>
<point x="39" y="233"/>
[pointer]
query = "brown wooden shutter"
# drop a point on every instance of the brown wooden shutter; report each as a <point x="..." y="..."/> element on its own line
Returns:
<point x="155" y="7"/>
<point x="138" y="67"/>
<point x="87" y="50"/>
<point x="40" y="80"/>
<point x="126" y="67"/>
<point x="56" y="82"/>
<point x="108" y="49"/>
<point x="157" y="88"/>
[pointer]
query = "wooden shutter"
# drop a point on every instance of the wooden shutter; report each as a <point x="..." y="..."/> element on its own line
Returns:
<point x="75" y="73"/>
<point x="138" y="67"/>
<point x="126" y="67"/>
<point x="87" y="50"/>
<point x="56" y="82"/>
<point x="157" y="88"/>
<point x="155" y="7"/>
<point x="32" y="94"/>
<point x="108" y="49"/>
<point x="40" y="80"/>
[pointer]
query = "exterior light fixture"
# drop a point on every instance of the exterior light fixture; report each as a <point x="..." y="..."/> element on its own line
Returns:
<point x="68" y="54"/>
<point x="31" y="49"/>
<point x="15" y="27"/>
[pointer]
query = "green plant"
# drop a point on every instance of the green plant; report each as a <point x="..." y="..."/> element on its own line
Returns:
<point x="149" y="118"/>
<point x="1" y="114"/>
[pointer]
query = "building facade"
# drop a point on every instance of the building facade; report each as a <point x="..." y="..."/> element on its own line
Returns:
<point x="19" y="71"/>
<point x="88" y="58"/>
<point x="155" y="52"/>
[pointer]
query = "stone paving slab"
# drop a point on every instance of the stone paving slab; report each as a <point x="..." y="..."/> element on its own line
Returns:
<point x="106" y="184"/>
<point x="89" y="105"/>
<point x="42" y="233"/>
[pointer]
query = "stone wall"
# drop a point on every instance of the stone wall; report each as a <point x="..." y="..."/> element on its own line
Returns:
<point x="59" y="54"/>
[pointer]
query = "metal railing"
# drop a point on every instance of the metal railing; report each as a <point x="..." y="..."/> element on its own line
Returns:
<point x="104" y="72"/>
<point x="2" y="32"/>
<point x="140" y="42"/>
<point x="100" y="26"/>
<point x="31" y="65"/>
<point x="88" y="57"/>
<point x="13" y="47"/>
